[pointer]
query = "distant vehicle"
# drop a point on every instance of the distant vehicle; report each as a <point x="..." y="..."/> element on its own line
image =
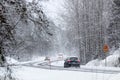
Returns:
<point x="60" y="56"/>
<point x="72" y="62"/>
<point x="47" y="58"/>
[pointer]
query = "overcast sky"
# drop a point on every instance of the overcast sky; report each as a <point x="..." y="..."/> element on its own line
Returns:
<point x="53" y="8"/>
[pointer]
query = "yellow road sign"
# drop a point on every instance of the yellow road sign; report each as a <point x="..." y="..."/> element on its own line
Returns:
<point x="105" y="48"/>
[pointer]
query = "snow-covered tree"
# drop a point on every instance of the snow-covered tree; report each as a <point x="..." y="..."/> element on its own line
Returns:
<point x="9" y="9"/>
<point x="87" y="22"/>
<point x="114" y="26"/>
<point x="25" y="29"/>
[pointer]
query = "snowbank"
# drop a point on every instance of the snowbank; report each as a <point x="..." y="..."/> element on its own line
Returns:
<point x="2" y="73"/>
<point x="58" y="63"/>
<point x="110" y="61"/>
<point x="93" y="63"/>
<point x="11" y="60"/>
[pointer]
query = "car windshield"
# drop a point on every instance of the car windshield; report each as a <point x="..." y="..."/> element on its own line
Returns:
<point x="73" y="58"/>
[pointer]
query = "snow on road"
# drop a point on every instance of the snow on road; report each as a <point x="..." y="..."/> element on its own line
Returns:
<point x="61" y="63"/>
<point x="31" y="73"/>
<point x="28" y="73"/>
<point x="116" y="77"/>
<point x="58" y="63"/>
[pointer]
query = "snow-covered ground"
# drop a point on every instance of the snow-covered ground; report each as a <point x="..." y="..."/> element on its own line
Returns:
<point x="2" y="72"/>
<point x="61" y="63"/>
<point x="116" y="77"/>
<point x="33" y="60"/>
<point x="110" y="61"/>
<point x="28" y="73"/>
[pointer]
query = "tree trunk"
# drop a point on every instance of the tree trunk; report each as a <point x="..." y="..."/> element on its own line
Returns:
<point x="2" y="58"/>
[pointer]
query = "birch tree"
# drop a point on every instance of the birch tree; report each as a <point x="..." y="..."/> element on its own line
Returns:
<point x="87" y="24"/>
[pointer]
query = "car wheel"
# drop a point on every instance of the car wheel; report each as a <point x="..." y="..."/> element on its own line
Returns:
<point x="78" y="66"/>
<point x="65" y="66"/>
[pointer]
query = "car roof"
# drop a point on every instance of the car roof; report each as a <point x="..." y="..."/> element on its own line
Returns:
<point x="72" y="57"/>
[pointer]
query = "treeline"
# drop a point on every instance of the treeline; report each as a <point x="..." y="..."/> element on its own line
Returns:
<point x="90" y="25"/>
<point x="25" y="30"/>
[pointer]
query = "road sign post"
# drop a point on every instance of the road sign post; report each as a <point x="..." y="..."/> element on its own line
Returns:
<point x="49" y="61"/>
<point x="105" y="49"/>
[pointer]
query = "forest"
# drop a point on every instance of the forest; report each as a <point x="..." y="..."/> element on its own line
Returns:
<point x="81" y="27"/>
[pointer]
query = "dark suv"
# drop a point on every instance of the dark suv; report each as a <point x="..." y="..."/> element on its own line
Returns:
<point x="72" y="61"/>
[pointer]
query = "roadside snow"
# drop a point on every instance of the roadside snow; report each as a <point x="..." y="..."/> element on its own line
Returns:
<point x="34" y="60"/>
<point x="93" y="63"/>
<point x="110" y="61"/>
<point x="31" y="73"/>
<point x="11" y="60"/>
<point x="61" y="63"/>
<point x="2" y="73"/>
<point x="28" y="73"/>
<point x="58" y="63"/>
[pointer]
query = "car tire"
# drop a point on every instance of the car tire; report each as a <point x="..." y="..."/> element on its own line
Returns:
<point x="65" y="66"/>
<point x="78" y="66"/>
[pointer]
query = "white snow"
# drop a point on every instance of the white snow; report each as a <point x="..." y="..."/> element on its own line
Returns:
<point x="34" y="60"/>
<point x="28" y="73"/>
<point x="31" y="73"/>
<point x="93" y="63"/>
<point x="29" y="0"/>
<point x="58" y="63"/>
<point x="61" y="63"/>
<point x="2" y="72"/>
<point x="110" y="61"/>
<point x="116" y="77"/>
<point x="11" y="60"/>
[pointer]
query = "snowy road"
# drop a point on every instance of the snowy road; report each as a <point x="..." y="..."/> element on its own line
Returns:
<point x="45" y="65"/>
<point x="40" y="70"/>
